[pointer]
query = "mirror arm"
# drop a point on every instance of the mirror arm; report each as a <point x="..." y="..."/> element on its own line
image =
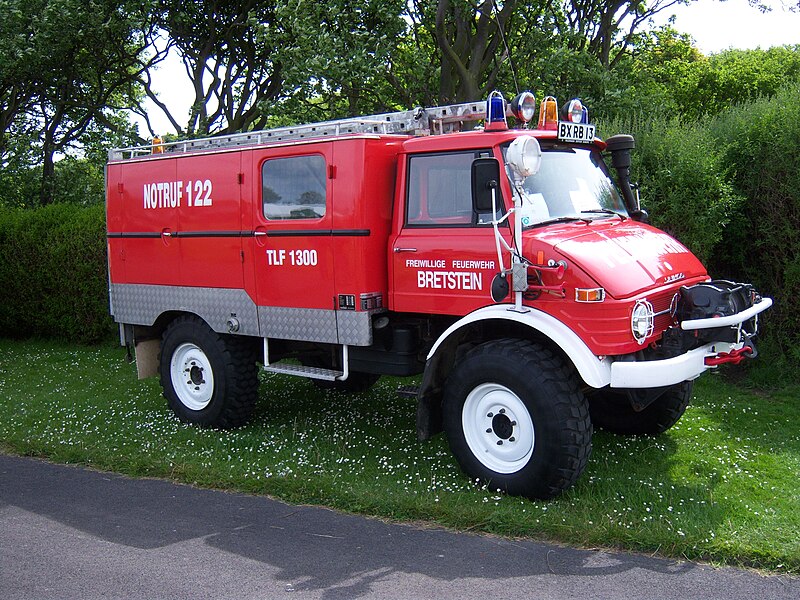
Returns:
<point x="519" y="267"/>
<point x="495" y="223"/>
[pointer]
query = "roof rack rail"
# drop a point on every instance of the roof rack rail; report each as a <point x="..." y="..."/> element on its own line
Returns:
<point x="418" y="121"/>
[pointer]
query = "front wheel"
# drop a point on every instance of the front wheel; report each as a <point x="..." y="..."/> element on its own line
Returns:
<point x="208" y="379"/>
<point x="516" y="419"/>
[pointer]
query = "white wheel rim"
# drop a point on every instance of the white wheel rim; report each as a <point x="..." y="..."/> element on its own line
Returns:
<point x="192" y="376"/>
<point x="498" y="428"/>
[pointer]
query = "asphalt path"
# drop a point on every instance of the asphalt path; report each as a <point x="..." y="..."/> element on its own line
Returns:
<point x="68" y="532"/>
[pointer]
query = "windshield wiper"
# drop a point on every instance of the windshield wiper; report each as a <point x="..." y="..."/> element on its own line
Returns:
<point x="605" y="211"/>
<point x="560" y="220"/>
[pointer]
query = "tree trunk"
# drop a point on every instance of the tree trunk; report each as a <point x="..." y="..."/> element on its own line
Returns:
<point x="48" y="175"/>
<point x="49" y="147"/>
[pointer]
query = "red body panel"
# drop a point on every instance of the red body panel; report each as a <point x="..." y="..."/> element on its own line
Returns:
<point x="153" y="256"/>
<point x="290" y="254"/>
<point x="210" y="255"/>
<point x="443" y="271"/>
<point x="349" y="241"/>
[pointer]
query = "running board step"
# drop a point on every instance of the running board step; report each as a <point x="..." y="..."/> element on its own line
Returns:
<point x="407" y="391"/>
<point x="303" y="371"/>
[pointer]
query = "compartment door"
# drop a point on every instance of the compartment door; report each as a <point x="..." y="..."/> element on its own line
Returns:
<point x="293" y="250"/>
<point x="210" y="226"/>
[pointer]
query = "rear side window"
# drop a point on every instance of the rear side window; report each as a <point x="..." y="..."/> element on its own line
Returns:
<point x="294" y="187"/>
<point x="439" y="189"/>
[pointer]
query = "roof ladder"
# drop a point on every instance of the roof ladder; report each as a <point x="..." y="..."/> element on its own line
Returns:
<point x="418" y="121"/>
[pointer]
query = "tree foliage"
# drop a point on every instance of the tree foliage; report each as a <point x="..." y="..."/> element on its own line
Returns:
<point x="346" y="57"/>
<point x="232" y="52"/>
<point x="470" y="39"/>
<point x="247" y="61"/>
<point x="607" y="28"/>
<point x="66" y="64"/>
<point x="17" y="72"/>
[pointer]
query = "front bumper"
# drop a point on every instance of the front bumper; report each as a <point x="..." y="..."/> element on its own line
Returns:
<point x="669" y="371"/>
<point x="689" y="365"/>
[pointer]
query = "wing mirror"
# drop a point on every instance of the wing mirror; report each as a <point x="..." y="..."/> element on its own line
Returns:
<point x="485" y="183"/>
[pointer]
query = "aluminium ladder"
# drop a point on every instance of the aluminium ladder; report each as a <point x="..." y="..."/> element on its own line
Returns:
<point x="418" y="121"/>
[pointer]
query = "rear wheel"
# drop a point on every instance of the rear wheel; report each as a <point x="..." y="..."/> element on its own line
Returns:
<point x="516" y="419"/>
<point x="613" y="412"/>
<point x="208" y="379"/>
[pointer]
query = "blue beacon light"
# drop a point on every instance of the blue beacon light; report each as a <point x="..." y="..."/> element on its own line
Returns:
<point x="495" y="113"/>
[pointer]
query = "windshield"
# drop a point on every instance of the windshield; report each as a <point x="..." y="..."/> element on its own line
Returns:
<point x="572" y="183"/>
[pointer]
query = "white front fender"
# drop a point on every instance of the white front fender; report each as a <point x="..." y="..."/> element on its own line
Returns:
<point x="596" y="372"/>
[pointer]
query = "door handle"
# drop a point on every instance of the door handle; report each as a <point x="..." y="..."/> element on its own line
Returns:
<point x="260" y="236"/>
<point x="405" y="250"/>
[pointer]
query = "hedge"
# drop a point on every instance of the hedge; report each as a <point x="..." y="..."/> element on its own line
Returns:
<point x="762" y="150"/>
<point x="684" y="182"/>
<point x="53" y="273"/>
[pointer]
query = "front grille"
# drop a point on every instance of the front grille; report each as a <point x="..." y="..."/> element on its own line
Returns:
<point x="663" y="303"/>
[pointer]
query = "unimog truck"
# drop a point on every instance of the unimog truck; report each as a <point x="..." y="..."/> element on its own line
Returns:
<point x="509" y="267"/>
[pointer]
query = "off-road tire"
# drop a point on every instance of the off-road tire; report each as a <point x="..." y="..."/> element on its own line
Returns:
<point x="543" y="410"/>
<point x="612" y="411"/>
<point x="208" y="379"/>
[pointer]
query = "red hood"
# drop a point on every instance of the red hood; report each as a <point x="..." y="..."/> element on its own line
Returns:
<point x="629" y="257"/>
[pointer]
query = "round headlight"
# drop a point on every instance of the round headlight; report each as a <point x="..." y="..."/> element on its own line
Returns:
<point x="524" y="156"/>
<point x="575" y="111"/>
<point x="523" y="107"/>
<point x="642" y="320"/>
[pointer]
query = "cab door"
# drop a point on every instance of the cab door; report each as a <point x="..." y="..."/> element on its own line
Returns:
<point x="444" y="257"/>
<point x="293" y="253"/>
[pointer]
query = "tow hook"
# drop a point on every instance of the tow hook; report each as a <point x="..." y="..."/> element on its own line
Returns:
<point x="733" y="357"/>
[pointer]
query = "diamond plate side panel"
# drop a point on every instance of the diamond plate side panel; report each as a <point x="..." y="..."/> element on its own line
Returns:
<point x="308" y="324"/>
<point x="355" y="328"/>
<point x="140" y="304"/>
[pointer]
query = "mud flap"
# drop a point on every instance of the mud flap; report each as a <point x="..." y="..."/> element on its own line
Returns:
<point x="429" y="405"/>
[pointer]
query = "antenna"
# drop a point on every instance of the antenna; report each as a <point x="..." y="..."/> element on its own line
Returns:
<point x="505" y="45"/>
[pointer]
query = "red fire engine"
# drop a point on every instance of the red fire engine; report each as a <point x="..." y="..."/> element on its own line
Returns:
<point x="504" y="265"/>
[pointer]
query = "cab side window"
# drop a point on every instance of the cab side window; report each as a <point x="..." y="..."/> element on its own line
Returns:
<point x="439" y="189"/>
<point x="294" y="187"/>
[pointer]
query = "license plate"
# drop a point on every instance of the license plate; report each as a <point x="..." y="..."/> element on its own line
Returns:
<point x="575" y="132"/>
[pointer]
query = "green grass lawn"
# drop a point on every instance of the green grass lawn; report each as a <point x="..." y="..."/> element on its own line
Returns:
<point x="722" y="485"/>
